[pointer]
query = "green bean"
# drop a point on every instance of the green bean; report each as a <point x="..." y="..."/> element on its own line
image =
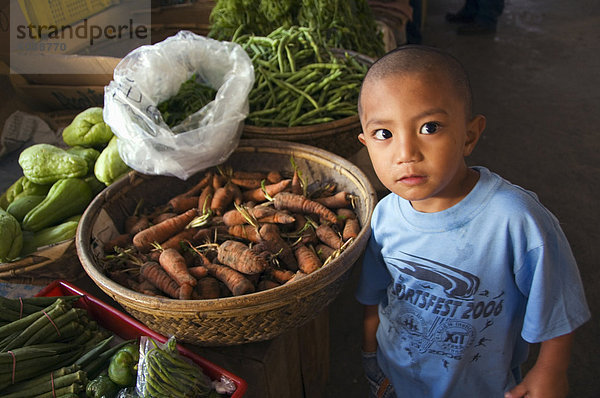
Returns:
<point x="96" y="350"/>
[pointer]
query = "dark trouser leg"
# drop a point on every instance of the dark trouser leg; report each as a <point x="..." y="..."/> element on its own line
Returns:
<point x="488" y="12"/>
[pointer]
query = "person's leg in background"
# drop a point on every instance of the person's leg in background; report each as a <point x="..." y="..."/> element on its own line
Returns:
<point x="477" y="16"/>
<point x="413" y="26"/>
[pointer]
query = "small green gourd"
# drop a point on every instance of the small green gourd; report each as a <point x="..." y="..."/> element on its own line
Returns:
<point x="12" y="237"/>
<point x="46" y="164"/>
<point x="67" y="197"/>
<point x="23" y="205"/>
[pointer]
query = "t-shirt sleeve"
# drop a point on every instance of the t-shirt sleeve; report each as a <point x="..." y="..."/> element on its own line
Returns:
<point x="374" y="277"/>
<point x="549" y="278"/>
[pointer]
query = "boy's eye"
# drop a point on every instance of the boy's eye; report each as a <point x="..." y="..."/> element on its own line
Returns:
<point x="429" y="128"/>
<point x="382" y="134"/>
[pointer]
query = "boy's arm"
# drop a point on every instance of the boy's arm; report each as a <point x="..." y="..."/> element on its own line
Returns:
<point x="370" y="324"/>
<point x="548" y="377"/>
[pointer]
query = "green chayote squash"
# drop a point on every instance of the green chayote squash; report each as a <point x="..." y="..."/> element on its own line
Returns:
<point x="46" y="164"/>
<point x="23" y="205"/>
<point x="47" y="236"/>
<point x="88" y="129"/>
<point x="11" y="235"/>
<point x="109" y="166"/>
<point x="66" y="198"/>
<point x="22" y="187"/>
<point x="89" y="154"/>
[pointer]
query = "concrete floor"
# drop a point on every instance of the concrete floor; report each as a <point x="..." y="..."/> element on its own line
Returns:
<point x="537" y="81"/>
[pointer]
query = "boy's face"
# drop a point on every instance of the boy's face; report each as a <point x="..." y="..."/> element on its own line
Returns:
<point x="417" y="135"/>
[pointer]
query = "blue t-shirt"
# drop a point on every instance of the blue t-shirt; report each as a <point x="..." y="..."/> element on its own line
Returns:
<point x="462" y="291"/>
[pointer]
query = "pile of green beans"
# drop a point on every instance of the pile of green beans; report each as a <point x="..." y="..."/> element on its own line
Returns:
<point x="298" y="80"/>
<point x="168" y="375"/>
<point x="347" y="24"/>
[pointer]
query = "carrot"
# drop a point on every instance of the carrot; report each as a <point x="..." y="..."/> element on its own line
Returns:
<point x="122" y="241"/>
<point x="124" y="279"/>
<point x="162" y="217"/>
<point x="175" y="241"/>
<point x="344" y="213"/>
<point x="299" y="203"/>
<point x="247" y="183"/>
<point x="351" y="229"/>
<point x="240" y="257"/>
<point x="274" y="177"/>
<point x="258" y="194"/>
<point x="248" y="175"/>
<point x="245" y="231"/>
<point x="208" y="288"/>
<point x="130" y="221"/>
<point x="145" y="287"/>
<point x="157" y="276"/>
<point x="324" y="252"/>
<point x="179" y="204"/>
<point x="296" y="186"/>
<point x="198" y="272"/>
<point x="218" y="181"/>
<point x="237" y="283"/>
<point x="208" y="234"/>
<point x="200" y="185"/>
<point x="278" y="274"/>
<point x="304" y="230"/>
<point x="277" y="245"/>
<point x="142" y="223"/>
<point x="328" y="236"/>
<point x="266" y="284"/>
<point x="308" y="261"/>
<point x="223" y="197"/>
<point x="260" y="213"/>
<point x="162" y="231"/>
<point x="297" y="276"/>
<point x="339" y="200"/>
<point x="174" y="264"/>
<point x="185" y="291"/>
<point x="205" y="198"/>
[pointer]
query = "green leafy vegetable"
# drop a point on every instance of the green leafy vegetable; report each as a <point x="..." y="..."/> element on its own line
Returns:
<point x="191" y="97"/>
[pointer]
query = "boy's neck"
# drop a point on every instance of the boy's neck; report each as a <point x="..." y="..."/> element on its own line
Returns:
<point x="464" y="187"/>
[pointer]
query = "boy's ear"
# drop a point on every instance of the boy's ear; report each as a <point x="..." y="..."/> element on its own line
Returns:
<point x="361" y="138"/>
<point x="474" y="129"/>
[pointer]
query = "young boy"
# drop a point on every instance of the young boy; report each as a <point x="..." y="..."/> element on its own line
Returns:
<point x="463" y="269"/>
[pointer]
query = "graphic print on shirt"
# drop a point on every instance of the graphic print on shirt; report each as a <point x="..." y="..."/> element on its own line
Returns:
<point x="437" y="309"/>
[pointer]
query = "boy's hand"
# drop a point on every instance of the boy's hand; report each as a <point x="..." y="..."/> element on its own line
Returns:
<point x="541" y="383"/>
<point x="548" y="377"/>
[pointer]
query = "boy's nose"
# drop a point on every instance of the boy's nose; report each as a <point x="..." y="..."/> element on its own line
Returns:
<point x="406" y="149"/>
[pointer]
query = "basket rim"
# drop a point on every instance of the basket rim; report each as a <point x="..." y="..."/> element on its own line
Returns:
<point x="272" y="298"/>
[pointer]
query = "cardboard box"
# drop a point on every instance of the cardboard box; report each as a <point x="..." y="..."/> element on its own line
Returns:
<point x="78" y="87"/>
<point x="168" y="20"/>
<point x="57" y="97"/>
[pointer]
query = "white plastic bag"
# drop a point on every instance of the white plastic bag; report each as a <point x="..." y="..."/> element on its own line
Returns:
<point x="151" y="74"/>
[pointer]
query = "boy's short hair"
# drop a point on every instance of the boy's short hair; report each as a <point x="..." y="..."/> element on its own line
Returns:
<point x="418" y="59"/>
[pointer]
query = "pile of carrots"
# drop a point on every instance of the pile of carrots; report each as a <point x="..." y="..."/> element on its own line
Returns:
<point x="232" y="233"/>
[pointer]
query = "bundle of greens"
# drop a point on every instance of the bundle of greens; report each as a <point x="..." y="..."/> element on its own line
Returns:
<point x="299" y="81"/>
<point x="191" y="97"/>
<point x="347" y="24"/>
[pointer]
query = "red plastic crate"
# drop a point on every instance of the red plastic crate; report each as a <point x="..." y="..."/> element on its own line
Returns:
<point x="128" y="328"/>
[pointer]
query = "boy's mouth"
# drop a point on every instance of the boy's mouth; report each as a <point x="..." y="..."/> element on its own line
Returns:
<point x="412" y="179"/>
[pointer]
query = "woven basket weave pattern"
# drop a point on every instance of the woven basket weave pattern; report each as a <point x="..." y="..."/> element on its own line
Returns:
<point x="241" y="319"/>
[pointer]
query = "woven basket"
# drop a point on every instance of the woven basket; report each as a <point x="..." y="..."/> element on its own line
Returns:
<point x="241" y="319"/>
<point x="339" y="136"/>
